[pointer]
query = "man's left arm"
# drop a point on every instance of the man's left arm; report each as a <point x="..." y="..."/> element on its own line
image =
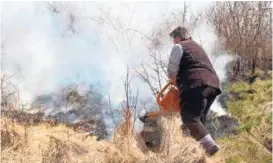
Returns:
<point x="174" y="61"/>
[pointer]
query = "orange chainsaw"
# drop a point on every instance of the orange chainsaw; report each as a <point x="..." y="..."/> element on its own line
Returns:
<point x="170" y="102"/>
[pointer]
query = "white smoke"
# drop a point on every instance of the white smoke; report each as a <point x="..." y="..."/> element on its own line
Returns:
<point x="206" y="36"/>
<point x="48" y="50"/>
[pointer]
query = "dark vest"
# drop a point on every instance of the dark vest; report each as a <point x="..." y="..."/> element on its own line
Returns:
<point x="195" y="68"/>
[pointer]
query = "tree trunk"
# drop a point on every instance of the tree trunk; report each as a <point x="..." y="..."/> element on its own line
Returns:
<point x="254" y="61"/>
<point x="236" y="69"/>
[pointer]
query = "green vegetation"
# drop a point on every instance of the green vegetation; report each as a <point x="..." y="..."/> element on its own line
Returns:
<point x="252" y="105"/>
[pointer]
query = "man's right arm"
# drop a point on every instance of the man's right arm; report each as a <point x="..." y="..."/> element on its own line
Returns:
<point x="174" y="61"/>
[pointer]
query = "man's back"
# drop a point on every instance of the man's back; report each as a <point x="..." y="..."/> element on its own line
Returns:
<point x="195" y="68"/>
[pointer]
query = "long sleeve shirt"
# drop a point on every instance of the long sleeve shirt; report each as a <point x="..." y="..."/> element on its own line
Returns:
<point x="174" y="61"/>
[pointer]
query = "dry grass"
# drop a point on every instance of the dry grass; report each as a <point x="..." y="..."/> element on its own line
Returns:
<point x="175" y="147"/>
<point x="243" y="148"/>
<point x="45" y="144"/>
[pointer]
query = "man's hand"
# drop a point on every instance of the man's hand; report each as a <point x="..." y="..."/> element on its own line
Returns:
<point x="173" y="81"/>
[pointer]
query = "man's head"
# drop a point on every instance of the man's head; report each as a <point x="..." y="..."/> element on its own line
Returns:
<point x="180" y="34"/>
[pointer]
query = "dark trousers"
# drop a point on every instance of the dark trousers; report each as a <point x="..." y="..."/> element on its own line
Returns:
<point x="195" y="105"/>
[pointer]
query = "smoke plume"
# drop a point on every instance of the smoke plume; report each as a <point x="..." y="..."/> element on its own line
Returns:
<point x="59" y="43"/>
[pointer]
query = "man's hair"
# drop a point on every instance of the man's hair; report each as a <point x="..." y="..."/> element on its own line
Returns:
<point x="181" y="32"/>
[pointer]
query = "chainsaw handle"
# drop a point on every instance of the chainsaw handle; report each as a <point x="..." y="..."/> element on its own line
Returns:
<point x="161" y="91"/>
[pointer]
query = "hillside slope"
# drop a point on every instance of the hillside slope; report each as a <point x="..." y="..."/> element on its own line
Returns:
<point x="43" y="143"/>
<point x="251" y="104"/>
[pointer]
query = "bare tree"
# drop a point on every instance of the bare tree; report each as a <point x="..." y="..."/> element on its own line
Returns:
<point x="112" y="114"/>
<point x="11" y="103"/>
<point x="8" y="90"/>
<point x="246" y="28"/>
<point x="130" y="103"/>
<point x="155" y="75"/>
<point x="55" y="7"/>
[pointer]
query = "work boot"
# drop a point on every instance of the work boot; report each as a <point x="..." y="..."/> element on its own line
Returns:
<point x="211" y="150"/>
<point x="209" y="145"/>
